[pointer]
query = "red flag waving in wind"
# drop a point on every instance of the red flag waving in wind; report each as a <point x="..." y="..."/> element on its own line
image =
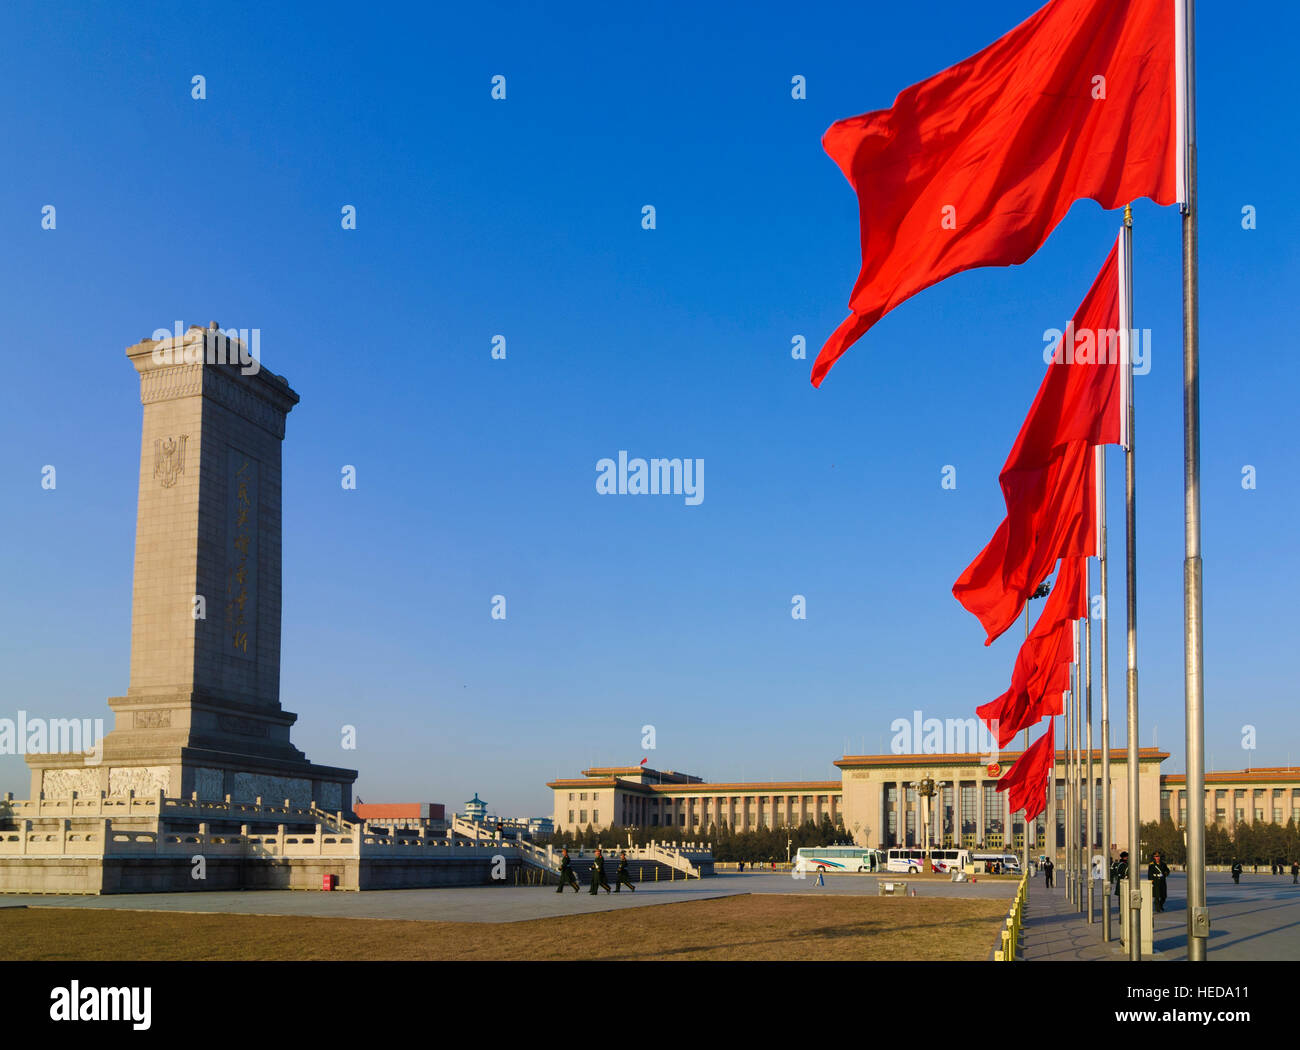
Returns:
<point x="1042" y="670"/>
<point x="1054" y="517"/>
<point x="976" y="165"/>
<point x="1047" y="481"/>
<point x="1027" y="778"/>
<point x="1080" y="396"/>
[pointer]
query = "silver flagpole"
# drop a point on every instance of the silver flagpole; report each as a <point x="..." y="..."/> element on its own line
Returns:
<point x="1065" y="785"/>
<point x="1090" y="795"/>
<point x="1074" y="773"/>
<point x="1198" y="917"/>
<point x="1132" y="915"/>
<point x="1105" y="694"/>
<point x="1078" y="765"/>
<point x="1024" y="820"/>
<point x="1067" y="864"/>
<point x="1069" y="767"/>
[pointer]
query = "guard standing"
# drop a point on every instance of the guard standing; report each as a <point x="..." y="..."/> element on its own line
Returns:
<point x="567" y="878"/>
<point x="598" y="873"/>
<point x="1295" y="872"/>
<point x="624" y="879"/>
<point x="1158" y="873"/>
<point x="1119" y="870"/>
<point x="1049" y="871"/>
<point x="1236" y="871"/>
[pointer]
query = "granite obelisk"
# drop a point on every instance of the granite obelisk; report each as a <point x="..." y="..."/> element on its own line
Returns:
<point x="202" y="710"/>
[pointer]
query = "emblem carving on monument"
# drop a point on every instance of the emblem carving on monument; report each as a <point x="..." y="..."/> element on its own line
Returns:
<point x="169" y="459"/>
<point x="153" y="719"/>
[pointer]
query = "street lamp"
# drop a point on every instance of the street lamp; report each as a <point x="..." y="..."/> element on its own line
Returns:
<point x="925" y="789"/>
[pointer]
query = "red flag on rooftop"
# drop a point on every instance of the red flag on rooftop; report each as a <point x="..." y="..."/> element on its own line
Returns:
<point x="976" y="165"/>
<point x="1027" y="779"/>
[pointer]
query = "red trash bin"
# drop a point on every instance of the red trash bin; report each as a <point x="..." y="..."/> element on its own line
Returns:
<point x="329" y="882"/>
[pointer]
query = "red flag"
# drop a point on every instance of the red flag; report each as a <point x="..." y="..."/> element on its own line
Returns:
<point x="1081" y="393"/>
<point x="976" y="165"/>
<point x="1054" y="516"/>
<point x="1025" y="703"/>
<point x="1078" y="404"/>
<point x="1027" y="778"/>
<point x="1042" y="669"/>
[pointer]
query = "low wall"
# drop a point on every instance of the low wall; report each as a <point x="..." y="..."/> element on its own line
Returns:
<point x="397" y="873"/>
<point x="96" y="875"/>
<point x="50" y="875"/>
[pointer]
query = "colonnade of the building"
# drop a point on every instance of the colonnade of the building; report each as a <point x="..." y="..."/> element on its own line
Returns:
<point x="1228" y="804"/>
<point x="972" y="814"/>
<point x="741" y="812"/>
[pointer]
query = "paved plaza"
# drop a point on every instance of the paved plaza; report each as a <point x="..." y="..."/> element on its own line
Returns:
<point x="495" y="903"/>
<point x="1260" y="919"/>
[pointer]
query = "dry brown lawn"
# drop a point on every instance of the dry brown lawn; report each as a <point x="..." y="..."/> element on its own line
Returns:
<point x="748" y="927"/>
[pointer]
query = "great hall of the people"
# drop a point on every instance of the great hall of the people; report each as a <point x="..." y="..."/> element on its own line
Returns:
<point x="875" y="799"/>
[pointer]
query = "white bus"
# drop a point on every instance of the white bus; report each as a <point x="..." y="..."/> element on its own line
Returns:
<point x="906" y="859"/>
<point x="1009" y="861"/>
<point x="949" y="860"/>
<point x="838" y="858"/>
<point x="913" y="860"/>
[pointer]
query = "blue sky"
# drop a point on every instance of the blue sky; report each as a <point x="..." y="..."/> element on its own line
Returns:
<point x="476" y="477"/>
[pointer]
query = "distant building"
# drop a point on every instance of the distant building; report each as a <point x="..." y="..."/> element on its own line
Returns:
<point x="393" y="817"/>
<point x="638" y="796"/>
<point x="1249" y="796"/>
<point x="876" y="801"/>
<point x="475" y="809"/>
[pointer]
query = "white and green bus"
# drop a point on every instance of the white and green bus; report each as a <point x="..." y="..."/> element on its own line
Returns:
<point x="838" y="858"/>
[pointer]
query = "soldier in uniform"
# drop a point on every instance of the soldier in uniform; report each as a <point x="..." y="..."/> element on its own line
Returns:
<point x="1158" y="873"/>
<point x="1049" y="870"/>
<point x="624" y="879"/>
<point x="1119" y="870"/>
<point x="1236" y="871"/>
<point x="567" y="878"/>
<point x="598" y="873"/>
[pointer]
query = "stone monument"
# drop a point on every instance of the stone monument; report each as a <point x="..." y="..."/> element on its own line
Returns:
<point x="202" y="710"/>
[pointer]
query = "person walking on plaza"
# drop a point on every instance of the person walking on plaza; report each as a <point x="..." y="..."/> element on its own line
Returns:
<point x="821" y="876"/>
<point x="1236" y="871"/>
<point x="1119" y="870"/>
<point x="567" y="878"/>
<point x="598" y="874"/>
<point x="1158" y="873"/>
<point x="1049" y="872"/>
<point x="624" y="879"/>
<point x="1295" y="872"/>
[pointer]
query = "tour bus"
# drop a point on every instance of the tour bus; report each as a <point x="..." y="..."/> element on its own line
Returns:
<point x="949" y="860"/>
<point x="838" y="858"/>
<point x="914" y="860"/>
<point x="1009" y="861"/>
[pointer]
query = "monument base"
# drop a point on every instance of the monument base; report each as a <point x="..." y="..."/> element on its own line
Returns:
<point x="193" y="772"/>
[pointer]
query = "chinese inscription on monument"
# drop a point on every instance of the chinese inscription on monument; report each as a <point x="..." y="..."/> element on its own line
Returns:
<point x="241" y="556"/>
